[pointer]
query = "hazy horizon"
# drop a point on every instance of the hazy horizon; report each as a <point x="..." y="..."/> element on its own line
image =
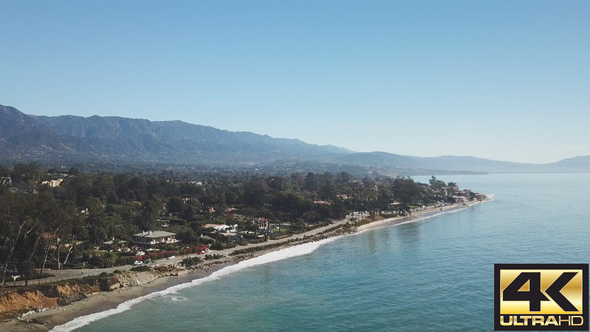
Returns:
<point x="503" y="81"/>
<point x="409" y="155"/>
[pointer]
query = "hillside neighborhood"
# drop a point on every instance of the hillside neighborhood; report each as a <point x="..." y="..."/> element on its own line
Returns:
<point x="59" y="219"/>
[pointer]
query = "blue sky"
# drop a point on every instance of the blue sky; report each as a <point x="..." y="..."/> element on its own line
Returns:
<point x="504" y="80"/>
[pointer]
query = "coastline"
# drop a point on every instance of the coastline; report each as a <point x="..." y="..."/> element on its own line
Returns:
<point x="101" y="301"/>
<point x="105" y="301"/>
<point x="421" y="215"/>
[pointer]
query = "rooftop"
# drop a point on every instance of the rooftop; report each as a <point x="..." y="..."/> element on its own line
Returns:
<point x="113" y="242"/>
<point x="154" y="234"/>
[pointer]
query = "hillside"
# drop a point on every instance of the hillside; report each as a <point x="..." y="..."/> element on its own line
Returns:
<point x="40" y="138"/>
<point x="462" y="164"/>
<point x="67" y="139"/>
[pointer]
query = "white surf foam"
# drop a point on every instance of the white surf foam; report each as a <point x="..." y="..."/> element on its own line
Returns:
<point x="177" y="298"/>
<point x="298" y="250"/>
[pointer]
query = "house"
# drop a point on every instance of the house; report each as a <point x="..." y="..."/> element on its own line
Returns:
<point x="114" y="244"/>
<point x="261" y="222"/>
<point x="52" y="183"/>
<point x="5" y="181"/>
<point x="221" y="227"/>
<point x="151" y="238"/>
<point x="229" y="212"/>
<point x="460" y="199"/>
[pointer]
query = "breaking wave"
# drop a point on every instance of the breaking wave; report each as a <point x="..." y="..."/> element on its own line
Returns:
<point x="298" y="250"/>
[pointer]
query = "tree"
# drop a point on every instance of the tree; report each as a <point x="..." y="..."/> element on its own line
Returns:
<point x="255" y="191"/>
<point x="436" y="184"/>
<point x="190" y="212"/>
<point x="251" y="227"/>
<point x="297" y="180"/>
<point x="312" y="182"/>
<point x="138" y="186"/>
<point x="44" y="212"/>
<point x="22" y="173"/>
<point x="407" y="192"/>
<point x="103" y="188"/>
<point x="77" y="227"/>
<point x="97" y="228"/>
<point x="14" y="224"/>
<point x="176" y="205"/>
<point x="56" y="222"/>
<point x="4" y="171"/>
<point x="107" y="259"/>
<point x="73" y="171"/>
<point x="277" y="183"/>
<point x="343" y="178"/>
<point x="186" y="234"/>
<point x="26" y="269"/>
<point x="148" y="216"/>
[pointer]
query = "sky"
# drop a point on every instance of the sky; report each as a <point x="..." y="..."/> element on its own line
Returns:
<point x="503" y="80"/>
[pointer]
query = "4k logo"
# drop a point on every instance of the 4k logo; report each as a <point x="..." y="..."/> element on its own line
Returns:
<point x="541" y="297"/>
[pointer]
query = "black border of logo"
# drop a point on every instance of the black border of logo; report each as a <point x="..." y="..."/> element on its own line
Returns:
<point x="498" y="267"/>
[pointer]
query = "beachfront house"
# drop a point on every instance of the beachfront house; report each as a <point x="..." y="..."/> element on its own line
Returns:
<point x="151" y="238"/>
<point x="114" y="245"/>
<point x="222" y="227"/>
<point x="460" y="199"/>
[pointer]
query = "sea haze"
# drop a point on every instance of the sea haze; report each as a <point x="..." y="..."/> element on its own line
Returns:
<point x="430" y="275"/>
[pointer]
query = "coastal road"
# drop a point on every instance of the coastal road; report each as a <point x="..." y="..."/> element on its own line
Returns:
<point x="80" y="273"/>
<point x="227" y="252"/>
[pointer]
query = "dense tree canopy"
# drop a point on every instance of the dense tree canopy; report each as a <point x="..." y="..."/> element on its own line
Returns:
<point x="43" y="225"/>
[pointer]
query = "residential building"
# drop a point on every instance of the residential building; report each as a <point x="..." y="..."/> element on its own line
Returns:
<point x="152" y="238"/>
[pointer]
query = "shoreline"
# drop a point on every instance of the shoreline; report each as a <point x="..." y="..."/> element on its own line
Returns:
<point x="104" y="301"/>
<point x="420" y="215"/>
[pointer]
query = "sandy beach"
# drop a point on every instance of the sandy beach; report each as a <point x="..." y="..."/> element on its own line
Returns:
<point x="420" y="215"/>
<point x="102" y="301"/>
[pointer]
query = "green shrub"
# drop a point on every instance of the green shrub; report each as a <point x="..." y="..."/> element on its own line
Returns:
<point x="190" y="261"/>
<point x="217" y="246"/>
<point x="140" y="268"/>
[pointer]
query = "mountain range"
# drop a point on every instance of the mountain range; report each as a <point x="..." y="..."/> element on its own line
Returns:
<point x="63" y="139"/>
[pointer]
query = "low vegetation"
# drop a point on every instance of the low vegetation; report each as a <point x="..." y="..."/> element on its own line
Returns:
<point x="141" y="269"/>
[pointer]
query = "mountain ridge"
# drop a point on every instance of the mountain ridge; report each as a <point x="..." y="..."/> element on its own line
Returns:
<point x="117" y="139"/>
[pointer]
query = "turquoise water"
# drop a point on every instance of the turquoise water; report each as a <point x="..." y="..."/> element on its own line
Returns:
<point x="430" y="275"/>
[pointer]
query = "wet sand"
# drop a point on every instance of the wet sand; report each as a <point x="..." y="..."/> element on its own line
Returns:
<point x="101" y="301"/>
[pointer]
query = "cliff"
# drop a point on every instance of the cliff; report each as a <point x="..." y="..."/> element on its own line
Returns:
<point x="15" y="302"/>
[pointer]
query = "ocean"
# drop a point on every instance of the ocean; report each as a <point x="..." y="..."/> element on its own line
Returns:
<point x="435" y="274"/>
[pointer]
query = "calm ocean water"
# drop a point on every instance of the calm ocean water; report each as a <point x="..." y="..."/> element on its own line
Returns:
<point x="431" y="275"/>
